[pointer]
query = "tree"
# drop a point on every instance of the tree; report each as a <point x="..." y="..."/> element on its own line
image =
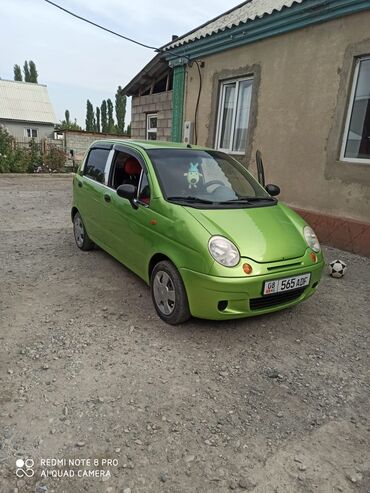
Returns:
<point x="104" y="121"/>
<point x="90" y="119"/>
<point x="111" y="126"/>
<point x="66" y="124"/>
<point x="26" y="72"/>
<point x="98" y="119"/>
<point x="33" y="72"/>
<point x="120" y="110"/>
<point x="128" y="130"/>
<point x="17" y="73"/>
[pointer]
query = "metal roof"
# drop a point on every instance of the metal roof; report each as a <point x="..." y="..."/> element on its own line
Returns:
<point x="242" y="13"/>
<point x="25" y="101"/>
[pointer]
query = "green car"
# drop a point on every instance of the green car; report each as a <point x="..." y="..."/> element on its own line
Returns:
<point x="197" y="227"/>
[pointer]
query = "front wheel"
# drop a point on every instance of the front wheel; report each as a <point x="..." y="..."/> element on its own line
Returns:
<point x="81" y="237"/>
<point x="168" y="293"/>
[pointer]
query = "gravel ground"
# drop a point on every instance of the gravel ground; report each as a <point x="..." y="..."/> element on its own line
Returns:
<point x="277" y="403"/>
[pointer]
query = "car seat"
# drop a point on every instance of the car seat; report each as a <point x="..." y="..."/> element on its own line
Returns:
<point x="132" y="170"/>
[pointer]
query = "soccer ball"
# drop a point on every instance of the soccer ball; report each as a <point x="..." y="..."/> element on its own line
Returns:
<point x="337" y="268"/>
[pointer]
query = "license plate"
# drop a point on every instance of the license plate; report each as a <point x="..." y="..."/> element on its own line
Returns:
<point x="286" y="284"/>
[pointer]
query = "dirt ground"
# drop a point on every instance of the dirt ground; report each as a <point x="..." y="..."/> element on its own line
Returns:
<point x="277" y="403"/>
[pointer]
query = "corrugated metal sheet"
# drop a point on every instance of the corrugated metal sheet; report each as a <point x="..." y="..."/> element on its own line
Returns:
<point x="25" y="101"/>
<point x="247" y="11"/>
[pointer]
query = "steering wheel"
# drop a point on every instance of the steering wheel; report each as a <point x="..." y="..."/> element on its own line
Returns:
<point x="213" y="182"/>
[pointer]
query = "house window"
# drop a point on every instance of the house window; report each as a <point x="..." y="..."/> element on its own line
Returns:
<point x="151" y="126"/>
<point x="233" y="115"/>
<point x="31" y="133"/>
<point x="356" y="141"/>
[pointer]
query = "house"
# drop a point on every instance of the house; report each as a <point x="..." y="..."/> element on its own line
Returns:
<point x="290" y="78"/>
<point x="26" y="111"/>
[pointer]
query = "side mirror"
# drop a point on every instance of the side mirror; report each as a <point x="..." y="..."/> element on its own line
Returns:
<point x="273" y="190"/>
<point x="127" y="191"/>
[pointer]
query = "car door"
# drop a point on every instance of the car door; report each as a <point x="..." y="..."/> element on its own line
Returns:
<point x="93" y="199"/>
<point x="129" y="222"/>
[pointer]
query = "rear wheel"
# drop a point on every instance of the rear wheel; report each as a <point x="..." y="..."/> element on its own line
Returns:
<point x="81" y="237"/>
<point x="168" y="293"/>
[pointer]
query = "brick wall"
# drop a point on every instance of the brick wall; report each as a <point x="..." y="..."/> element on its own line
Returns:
<point x="160" y="103"/>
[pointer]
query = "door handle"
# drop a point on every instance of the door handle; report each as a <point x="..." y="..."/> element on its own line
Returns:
<point x="107" y="197"/>
<point x="80" y="184"/>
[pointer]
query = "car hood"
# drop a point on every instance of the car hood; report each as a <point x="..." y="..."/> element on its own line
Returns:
<point x="263" y="234"/>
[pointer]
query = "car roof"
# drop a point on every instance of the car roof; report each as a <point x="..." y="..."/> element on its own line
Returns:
<point x="149" y="144"/>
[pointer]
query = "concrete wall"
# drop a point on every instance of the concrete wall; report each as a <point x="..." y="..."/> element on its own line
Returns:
<point x="80" y="141"/>
<point x="160" y="103"/>
<point x="300" y="94"/>
<point x="16" y="129"/>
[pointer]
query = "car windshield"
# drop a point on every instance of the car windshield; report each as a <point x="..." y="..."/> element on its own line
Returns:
<point x="206" y="178"/>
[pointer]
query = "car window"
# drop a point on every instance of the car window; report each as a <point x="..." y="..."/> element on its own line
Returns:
<point x="95" y="164"/>
<point x="206" y="175"/>
<point x="144" y="189"/>
<point x="126" y="169"/>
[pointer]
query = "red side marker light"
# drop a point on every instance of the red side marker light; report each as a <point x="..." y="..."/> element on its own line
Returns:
<point x="247" y="268"/>
<point x="313" y="257"/>
<point x="153" y="222"/>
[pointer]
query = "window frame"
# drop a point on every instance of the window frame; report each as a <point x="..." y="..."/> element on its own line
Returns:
<point x="223" y="84"/>
<point x="151" y="130"/>
<point x="26" y="129"/>
<point x="355" y="79"/>
<point x="107" y="166"/>
<point x="112" y="162"/>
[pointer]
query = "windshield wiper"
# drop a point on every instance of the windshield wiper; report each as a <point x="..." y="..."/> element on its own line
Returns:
<point x="246" y="200"/>
<point x="189" y="198"/>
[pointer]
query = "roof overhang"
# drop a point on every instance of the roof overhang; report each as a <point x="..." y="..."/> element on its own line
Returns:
<point x="200" y="42"/>
<point x="154" y="70"/>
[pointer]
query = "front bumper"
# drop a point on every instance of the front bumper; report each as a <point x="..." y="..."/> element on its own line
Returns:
<point x="205" y="293"/>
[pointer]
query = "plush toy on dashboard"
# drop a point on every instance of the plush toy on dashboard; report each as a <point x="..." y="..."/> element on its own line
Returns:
<point x="193" y="175"/>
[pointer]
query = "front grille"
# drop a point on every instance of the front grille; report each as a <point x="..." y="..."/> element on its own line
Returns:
<point x="275" y="299"/>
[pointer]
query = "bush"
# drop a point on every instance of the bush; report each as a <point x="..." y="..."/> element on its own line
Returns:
<point x="55" y="159"/>
<point x="28" y="159"/>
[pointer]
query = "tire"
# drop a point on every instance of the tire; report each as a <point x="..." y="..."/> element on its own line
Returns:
<point x="168" y="293"/>
<point x="81" y="237"/>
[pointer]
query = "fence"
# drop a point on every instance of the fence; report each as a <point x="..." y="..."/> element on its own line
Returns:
<point x="73" y="143"/>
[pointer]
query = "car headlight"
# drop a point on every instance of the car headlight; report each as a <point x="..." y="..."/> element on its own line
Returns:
<point x="311" y="239"/>
<point x="223" y="251"/>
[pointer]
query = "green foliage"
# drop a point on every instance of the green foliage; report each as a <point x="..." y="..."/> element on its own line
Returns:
<point x="26" y="72"/>
<point x="16" y="158"/>
<point x="33" y="72"/>
<point x="128" y="130"/>
<point x="66" y="124"/>
<point x="55" y="158"/>
<point x="97" y="119"/>
<point x="90" y="117"/>
<point x="120" y="103"/>
<point x="17" y="73"/>
<point x="34" y="156"/>
<point x="13" y="159"/>
<point x="111" y="125"/>
<point x="104" y="117"/>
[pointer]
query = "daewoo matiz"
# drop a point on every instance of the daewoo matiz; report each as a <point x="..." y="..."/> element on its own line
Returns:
<point x="197" y="227"/>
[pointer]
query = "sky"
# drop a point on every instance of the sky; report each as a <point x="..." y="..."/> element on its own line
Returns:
<point x="78" y="61"/>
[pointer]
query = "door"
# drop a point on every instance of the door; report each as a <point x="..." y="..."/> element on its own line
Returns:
<point x="93" y="199"/>
<point x="129" y="222"/>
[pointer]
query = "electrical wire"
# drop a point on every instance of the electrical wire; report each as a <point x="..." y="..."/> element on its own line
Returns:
<point x="197" y="104"/>
<point x="101" y="27"/>
<point x="158" y="50"/>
